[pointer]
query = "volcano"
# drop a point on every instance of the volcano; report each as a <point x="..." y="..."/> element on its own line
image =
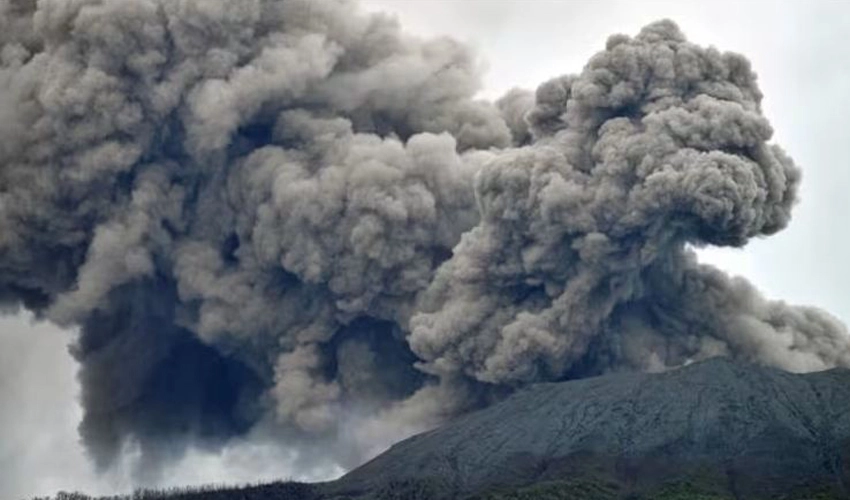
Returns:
<point x="718" y="427"/>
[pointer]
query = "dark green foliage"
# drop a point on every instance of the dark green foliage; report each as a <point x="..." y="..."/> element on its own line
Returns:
<point x="579" y="489"/>
<point x="558" y="490"/>
<point x="686" y="491"/>
<point x="272" y="491"/>
<point x="410" y="490"/>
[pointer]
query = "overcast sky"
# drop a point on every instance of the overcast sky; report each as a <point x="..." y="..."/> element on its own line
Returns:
<point x="800" y="52"/>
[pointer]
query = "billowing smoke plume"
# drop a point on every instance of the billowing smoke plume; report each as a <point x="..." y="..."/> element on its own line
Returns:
<point x="288" y="215"/>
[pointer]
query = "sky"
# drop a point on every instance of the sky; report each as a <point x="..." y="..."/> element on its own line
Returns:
<point x="798" y="50"/>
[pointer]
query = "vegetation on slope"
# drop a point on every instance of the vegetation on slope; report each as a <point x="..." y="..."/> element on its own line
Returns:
<point x="432" y="490"/>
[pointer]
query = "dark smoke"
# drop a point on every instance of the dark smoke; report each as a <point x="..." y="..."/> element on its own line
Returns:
<point x="289" y="215"/>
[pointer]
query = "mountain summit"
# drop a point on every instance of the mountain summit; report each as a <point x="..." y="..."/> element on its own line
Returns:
<point x="721" y="426"/>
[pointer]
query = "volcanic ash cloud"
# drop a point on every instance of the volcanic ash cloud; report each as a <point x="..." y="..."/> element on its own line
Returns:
<point x="291" y="219"/>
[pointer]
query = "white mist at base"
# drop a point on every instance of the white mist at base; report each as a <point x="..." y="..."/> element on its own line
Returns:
<point x="40" y="449"/>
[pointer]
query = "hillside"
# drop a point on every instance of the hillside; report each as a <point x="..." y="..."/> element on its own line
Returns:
<point x="714" y="430"/>
<point x="737" y="429"/>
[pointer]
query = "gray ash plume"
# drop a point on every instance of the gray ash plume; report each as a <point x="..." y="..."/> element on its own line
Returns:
<point x="290" y="215"/>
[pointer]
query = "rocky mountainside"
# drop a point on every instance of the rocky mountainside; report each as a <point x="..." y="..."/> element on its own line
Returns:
<point x="735" y="429"/>
<point x="715" y="430"/>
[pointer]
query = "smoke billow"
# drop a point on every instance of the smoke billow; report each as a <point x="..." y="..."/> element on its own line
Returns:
<point x="289" y="218"/>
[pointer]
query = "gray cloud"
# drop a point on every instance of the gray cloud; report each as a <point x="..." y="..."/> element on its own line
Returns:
<point x="289" y="220"/>
<point x="579" y="262"/>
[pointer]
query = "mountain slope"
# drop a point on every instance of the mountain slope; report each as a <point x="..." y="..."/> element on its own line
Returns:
<point x="735" y="428"/>
<point x="715" y="430"/>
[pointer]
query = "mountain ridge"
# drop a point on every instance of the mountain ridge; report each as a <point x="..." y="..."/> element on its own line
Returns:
<point x="718" y="429"/>
<point x="753" y="424"/>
